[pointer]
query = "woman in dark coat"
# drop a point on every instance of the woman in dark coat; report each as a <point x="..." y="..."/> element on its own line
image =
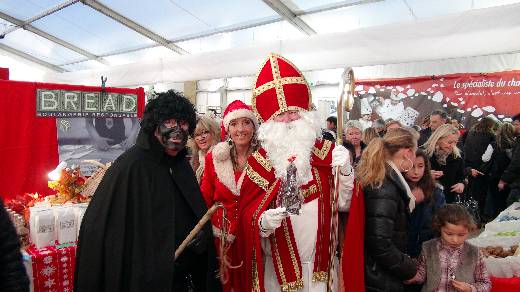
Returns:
<point x="495" y="161"/>
<point x="446" y="160"/>
<point x="388" y="203"/>
<point x="477" y="140"/>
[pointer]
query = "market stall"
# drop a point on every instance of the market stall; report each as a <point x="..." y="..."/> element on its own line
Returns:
<point x="54" y="166"/>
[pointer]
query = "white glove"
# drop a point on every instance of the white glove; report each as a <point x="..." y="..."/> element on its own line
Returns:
<point x="270" y="220"/>
<point x="487" y="155"/>
<point x="341" y="158"/>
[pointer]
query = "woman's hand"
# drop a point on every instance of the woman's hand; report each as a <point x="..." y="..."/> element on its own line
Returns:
<point x="461" y="286"/>
<point x="501" y="185"/>
<point x="437" y="173"/>
<point x="458" y="188"/>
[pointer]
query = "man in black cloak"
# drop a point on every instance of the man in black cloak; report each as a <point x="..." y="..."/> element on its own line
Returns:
<point x="145" y="206"/>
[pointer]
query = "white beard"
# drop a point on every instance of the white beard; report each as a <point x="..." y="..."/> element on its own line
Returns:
<point x="284" y="140"/>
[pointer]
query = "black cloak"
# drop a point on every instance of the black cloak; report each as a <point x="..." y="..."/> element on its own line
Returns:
<point x="144" y="207"/>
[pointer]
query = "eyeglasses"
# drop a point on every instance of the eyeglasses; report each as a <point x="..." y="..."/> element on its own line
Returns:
<point x="202" y="134"/>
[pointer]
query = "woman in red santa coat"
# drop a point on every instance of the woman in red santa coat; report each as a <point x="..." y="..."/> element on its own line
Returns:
<point x="222" y="179"/>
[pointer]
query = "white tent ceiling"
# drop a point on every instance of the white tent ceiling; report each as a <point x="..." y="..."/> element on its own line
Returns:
<point x="177" y="40"/>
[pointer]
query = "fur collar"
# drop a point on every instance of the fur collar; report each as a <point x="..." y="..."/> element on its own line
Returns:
<point x="224" y="167"/>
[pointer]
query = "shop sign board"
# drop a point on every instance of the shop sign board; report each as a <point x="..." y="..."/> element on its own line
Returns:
<point x="72" y="103"/>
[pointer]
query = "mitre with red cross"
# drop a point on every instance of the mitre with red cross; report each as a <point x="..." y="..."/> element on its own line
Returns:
<point x="279" y="87"/>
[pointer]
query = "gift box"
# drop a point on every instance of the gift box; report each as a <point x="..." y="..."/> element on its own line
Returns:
<point x="52" y="268"/>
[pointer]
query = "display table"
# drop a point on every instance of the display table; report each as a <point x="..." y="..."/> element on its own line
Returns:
<point x="505" y="284"/>
<point x="51" y="269"/>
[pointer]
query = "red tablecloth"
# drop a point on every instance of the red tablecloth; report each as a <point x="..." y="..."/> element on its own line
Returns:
<point x="505" y="284"/>
<point x="53" y="268"/>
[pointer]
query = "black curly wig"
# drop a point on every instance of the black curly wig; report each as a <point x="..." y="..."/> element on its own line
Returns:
<point x="168" y="105"/>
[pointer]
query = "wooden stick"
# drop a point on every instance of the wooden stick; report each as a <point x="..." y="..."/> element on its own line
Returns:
<point x="197" y="228"/>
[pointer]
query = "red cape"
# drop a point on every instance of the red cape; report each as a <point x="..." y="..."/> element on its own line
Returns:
<point x="352" y="260"/>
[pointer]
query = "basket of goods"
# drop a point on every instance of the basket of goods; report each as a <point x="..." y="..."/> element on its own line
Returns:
<point x="93" y="181"/>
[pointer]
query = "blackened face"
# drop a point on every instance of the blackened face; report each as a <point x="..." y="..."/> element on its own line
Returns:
<point x="173" y="135"/>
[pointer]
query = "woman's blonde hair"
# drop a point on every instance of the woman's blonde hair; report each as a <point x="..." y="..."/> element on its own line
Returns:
<point x="372" y="167"/>
<point x="506" y="136"/>
<point x="204" y="123"/>
<point x="368" y="135"/>
<point x="441" y="132"/>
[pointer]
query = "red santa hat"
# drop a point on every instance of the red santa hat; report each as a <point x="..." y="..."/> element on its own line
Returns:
<point x="279" y="87"/>
<point x="236" y="109"/>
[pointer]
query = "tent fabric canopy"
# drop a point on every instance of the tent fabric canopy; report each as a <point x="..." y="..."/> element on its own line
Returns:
<point x="141" y="42"/>
<point x="439" y="45"/>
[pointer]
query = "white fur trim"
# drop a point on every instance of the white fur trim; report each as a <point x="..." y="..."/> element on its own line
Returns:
<point x="224" y="168"/>
<point x="221" y="151"/>
<point x="239" y="113"/>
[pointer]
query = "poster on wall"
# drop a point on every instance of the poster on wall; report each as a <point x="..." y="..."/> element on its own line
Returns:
<point x="466" y="96"/>
<point x="100" y="139"/>
<point x="92" y="125"/>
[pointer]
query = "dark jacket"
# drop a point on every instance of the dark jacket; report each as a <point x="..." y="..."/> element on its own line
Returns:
<point x="499" y="161"/>
<point x="424" y="135"/>
<point x="512" y="173"/>
<point x="13" y="277"/>
<point x="386" y="235"/>
<point x="453" y="173"/>
<point x="144" y="207"/>
<point x="474" y="146"/>
<point x="421" y="222"/>
<point x="352" y="149"/>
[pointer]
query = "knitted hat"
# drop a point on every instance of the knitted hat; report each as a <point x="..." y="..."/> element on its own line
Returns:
<point x="236" y="109"/>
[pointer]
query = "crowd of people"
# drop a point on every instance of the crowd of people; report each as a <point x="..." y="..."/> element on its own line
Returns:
<point x="377" y="213"/>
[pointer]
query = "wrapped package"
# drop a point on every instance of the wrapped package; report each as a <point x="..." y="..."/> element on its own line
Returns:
<point x="65" y="224"/>
<point x="42" y="226"/>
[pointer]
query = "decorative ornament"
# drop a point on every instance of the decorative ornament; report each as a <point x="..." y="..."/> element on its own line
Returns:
<point x="289" y="195"/>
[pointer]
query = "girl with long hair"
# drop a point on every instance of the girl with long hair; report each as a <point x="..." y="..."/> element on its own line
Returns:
<point x="428" y="199"/>
<point x="206" y="135"/>
<point x="446" y="160"/>
<point x="388" y="201"/>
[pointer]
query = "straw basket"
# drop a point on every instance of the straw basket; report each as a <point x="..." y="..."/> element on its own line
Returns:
<point x="92" y="182"/>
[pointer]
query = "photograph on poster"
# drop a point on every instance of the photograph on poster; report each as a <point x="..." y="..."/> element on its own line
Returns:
<point x="100" y="139"/>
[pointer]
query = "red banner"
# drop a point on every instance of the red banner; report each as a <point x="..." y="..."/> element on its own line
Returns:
<point x="469" y="96"/>
<point x="28" y="145"/>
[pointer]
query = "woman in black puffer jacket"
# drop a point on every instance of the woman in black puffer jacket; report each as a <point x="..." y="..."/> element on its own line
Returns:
<point x="388" y="203"/>
<point x="13" y="277"/>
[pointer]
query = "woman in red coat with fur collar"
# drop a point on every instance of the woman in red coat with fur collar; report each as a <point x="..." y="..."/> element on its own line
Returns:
<point x="222" y="179"/>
